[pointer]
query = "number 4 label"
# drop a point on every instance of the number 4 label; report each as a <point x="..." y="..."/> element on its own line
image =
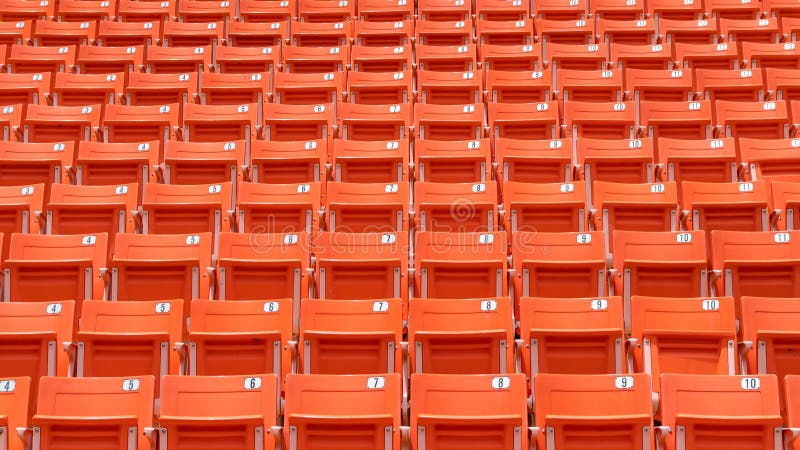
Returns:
<point x="8" y="385"/>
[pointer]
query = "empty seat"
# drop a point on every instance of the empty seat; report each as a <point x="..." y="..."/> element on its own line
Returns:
<point x="561" y="10"/>
<point x="708" y="56"/>
<point x="689" y="30"/>
<point x="23" y="164"/>
<point x="544" y="207"/>
<point x="614" y="160"/>
<point x="315" y="59"/>
<point x="676" y="9"/>
<point x="765" y="158"/>
<point x="243" y="411"/>
<point x="367" y="207"/>
<point x="325" y="11"/>
<point x="93" y="11"/>
<point x="15" y="32"/>
<point x="21" y="210"/>
<point x="509" y="57"/>
<point x="374" y="122"/>
<point x="785" y="201"/>
<point x="299" y="122"/>
<point x="99" y="164"/>
<point x="589" y="85"/>
<point x="261" y="11"/>
<point x="524" y="121"/>
<point x="123" y="123"/>
<point x="377" y="11"/>
<point x="24" y="88"/>
<point x="443" y="10"/>
<point x="247" y="60"/>
<point x="558" y="265"/>
<point x="288" y="161"/>
<point x="204" y="162"/>
<point x="60" y="123"/>
<point x="449" y="122"/>
<point x="384" y="33"/>
<point x="449" y="88"/>
<point x="194" y="11"/>
<point x="307" y="88"/>
<point x="764" y="31"/>
<point x="462" y="58"/>
<point x="127" y="34"/>
<point x="697" y="409"/>
<point x="143" y="12"/>
<point x="505" y="86"/>
<point x="278" y="208"/>
<point x="775" y="55"/>
<point x="147" y="89"/>
<point x="631" y="32"/>
<point x="185" y="34"/>
<point x="600" y="120"/>
<point x="240" y="337"/>
<point x="351" y="336"/>
<point x="518" y="31"/>
<point x="15" y="409"/>
<point x="706" y="160"/>
<point x="343" y="412"/>
<point x="257" y="34"/>
<point x="381" y="88"/>
<point x="572" y="32"/>
<point x="57" y="34"/>
<point x="461" y="336"/>
<point x="613" y="409"/>
<point x="452" y="161"/>
<point x="71" y="89"/>
<point x="659" y="85"/>
<point x="179" y="59"/>
<point x="578" y="57"/>
<point x="321" y="34"/>
<point x="219" y="123"/>
<point x="539" y="161"/>
<point x="451" y="33"/>
<point x="759" y="264"/>
<point x="398" y="58"/>
<point x="678" y="120"/>
<point x="638" y="56"/>
<point x="571" y="335"/>
<point x="496" y="10"/>
<point x="49" y="267"/>
<point x="726" y="206"/>
<point x="24" y="59"/>
<point x="27" y="10"/>
<point x="744" y="85"/>
<point x="236" y="89"/>
<point x="361" y="265"/>
<point x="370" y="161"/>
<point x="456" y="207"/>
<point x="93" y="59"/>
<point x="783" y="84"/>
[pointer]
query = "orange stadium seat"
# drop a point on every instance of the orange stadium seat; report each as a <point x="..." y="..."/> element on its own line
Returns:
<point x="60" y="123"/>
<point x="236" y="89"/>
<point x="783" y="84"/>
<point x="220" y="123"/>
<point x="775" y="55"/>
<point x="781" y="8"/>
<point x="706" y="160"/>
<point x="578" y="57"/>
<point x="790" y="27"/>
<point x="204" y="162"/>
<point x="243" y="411"/>
<point x="72" y="89"/>
<point x="614" y="160"/>
<point x="21" y="211"/>
<point x="257" y="34"/>
<point x="451" y="33"/>
<point x="726" y="206"/>
<point x="689" y="30"/>
<point x="638" y="56"/>
<point x="62" y="34"/>
<point x="179" y="59"/>
<point x="508" y="57"/>
<point x="10" y="121"/>
<point x="613" y="409"/>
<point x="193" y="11"/>
<point x="240" y="337"/>
<point x="449" y="122"/>
<point x="631" y="32"/>
<point x="544" y="207"/>
<point x="356" y="266"/>
<point x="677" y="120"/>
<point x="248" y="60"/>
<point x="558" y="265"/>
<point x="307" y="88"/>
<point x="504" y="86"/>
<point x="561" y="10"/>
<point x="183" y="34"/>
<point x="123" y="123"/>
<point x="589" y="85"/>
<point x="321" y="34"/>
<point x="764" y="31"/>
<point x="509" y="32"/>
<point x="278" y="208"/>
<point x="92" y="59"/>
<point x="377" y="11"/>
<point x="341" y="412"/>
<point x="99" y="164"/>
<point x="524" y="121"/>
<point x="706" y="56"/>
<point x="15" y="10"/>
<point x="456" y="207"/>
<point x="287" y="161"/>
<point x="360" y="122"/>
<point x="571" y="335"/>
<point x="449" y="59"/>
<point x="148" y="89"/>
<point x="299" y="122"/>
<point x="617" y="9"/>
<point x="381" y="88"/>
<point x="443" y="10"/>
<point x="83" y="10"/>
<point x="12" y="32"/>
<point x="367" y="207"/>
<point x="315" y="59"/>
<point x="675" y="9"/>
<point x="792" y="382"/>
<point x="449" y="88"/>
<point x="744" y="85"/>
<point x="382" y="59"/>
<point x="461" y="336"/>
<point x="325" y="11"/>
<point x="496" y="10"/>
<point x="785" y="201"/>
<point x="753" y="119"/>
<point x="541" y="161"/>
<point x="766" y="158"/>
<point x="370" y="161"/>
<point x="15" y="409"/>
<point x="573" y="32"/>
<point x="452" y="161"/>
<point x="659" y="85"/>
<point x="460" y="265"/>
<point x="267" y="11"/>
<point x="387" y="33"/>
<point x="351" y="336"/>
<point x="127" y="34"/>
<point x="601" y="120"/>
<point x="146" y="11"/>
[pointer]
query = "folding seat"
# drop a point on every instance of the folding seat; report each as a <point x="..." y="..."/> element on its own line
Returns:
<point x="764" y="31"/>
<point x="240" y="338"/>
<point x="247" y="34"/>
<point x="343" y="412"/>
<point x="571" y="335"/>
<point x="461" y="336"/>
<point x="706" y="56"/>
<point x="697" y="412"/>
<point x="683" y="335"/>
<point x="351" y="336"/>
<point x="383" y="11"/>
<point x="578" y="57"/>
<point x="15" y="409"/>
<point x="790" y="27"/>
<point x="179" y="59"/>
<point x="299" y="122"/>
<point x="147" y="11"/>
<point x="499" y="10"/>
<point x="264" y="265"/>
<point x="637" y="56"/>
<point x="60" y="123"/>
<point x="127" y="34"/>
<point x="761" y="264"/>
<point x="449" y="59"/>
<point x="633" y="207"/>
<point x="456" y="207"/>
<point x="220" y="123"/>
<point x="204" y="162"/>
<point x="460" y="265"/>
<point x="85" y="11"/>
<point x="159" y="266"/>
<point x="449" y="122"/>
<point x="371" y="162"/>
<point x="524" y="121"/>
<point x="248" y="60"/>
<point x="518" y="86"/>
<point x="385" y="33"/>
<point x="18" y="10"/>
<point x="93" y="59"/>
<point x="149" y="89"/>
<point x="534" y="161"/>
<point x="739" y="85"/>
<point x="194" y="11"/>
<point x="785" y="202"/>
<point x="677" y="120"/>
<point x="558" y="264"/>
<point x="32" y="346"/>
<point x="356" y="266"/>
<point x="763" y="120"/>
<point x="659" y="85"/>
<point x="278" y="208"/>
<point x="23" y="164"/>
<point x="100" y="164"/>
<point x="321" y="34"/>
<point x="111" y="412"/>
<point x="617" y="9"/>
<point x="243" y="411"/>
<point x="676" y="10"/>
<point x="453" y="161"/>
<point x="267" y="11"/>
<point x="15" y="32"/>
<point x="510" y="57"/>
<point x="782" y="55"/>
<point x="601" y="120"/>
<point x="382" y="59"/>
<point x="123" y="123"/>
<point x="689" y="30"/>
<point x="561" y="10"/>
<point x="183" y="34"/>
<point x="589" y="85"/>
<point x="62" y="34"/>
<point x="544" y="207"/>
<point x="24" y="59"/>
<point x="379" y="88"/>
<point x="765" y="158"/>
<point x="631" y="32"/>
<point x="374" y="122"/>
<point x="130" y="339"/>
<point x="781" y="9"/>
<point x="284" y="162"/>
<point x="235" y="88"/>
<point x="783" y="84"/>
<point x="706" y="160"/>
<point x="443" y="11"/>
<point x="726" y="206"/>
<point x="325" y="11"/>
<point x="10" y="121"/>
<point x="605" y="410"/>
<point x="449" y="88"/>
<point x="730" y="9"/>
<point x="43" y="268"/>
<point x="572" y="32"/>
<point x="307" y="88"/>
<point x="367" y="207"/>
<point x="72" y="89"/>
<point x="663" y="264"/>
<point x="512" y="32"/>
<point x="20" y="211"/>
<point x="315" y="59"/>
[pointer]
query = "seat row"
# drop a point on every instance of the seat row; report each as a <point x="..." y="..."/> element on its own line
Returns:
<point x="365" y="412"/>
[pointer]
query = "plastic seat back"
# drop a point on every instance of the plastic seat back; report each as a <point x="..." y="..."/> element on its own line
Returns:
<point x="727" y="206"/>
<point x="544" y="207"/>
<point x="14" y="409"/>
<point x="706" y="160"/>
<point x="367" y="207"/>
<point x="538" y="161"/>
<point x="371" y="161"/>
<point x="278" y="208"/>
<point x="456" y="207"/>
<point x="287" y="161"/>
<point x="452" y="161"/>
<point x="103" y="164"/>
<point x="20" y="210"/>
<point x="181" y="209"/>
